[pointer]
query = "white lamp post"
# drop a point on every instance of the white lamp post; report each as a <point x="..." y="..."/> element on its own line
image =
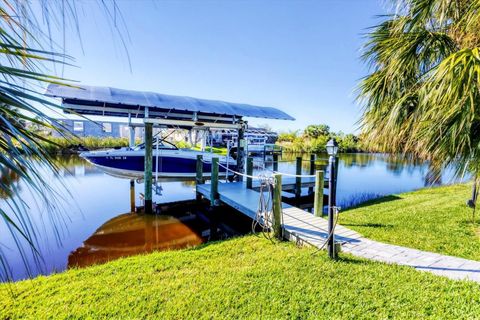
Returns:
<point x="332" y="149"/>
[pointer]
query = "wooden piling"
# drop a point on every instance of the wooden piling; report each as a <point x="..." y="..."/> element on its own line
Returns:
<point x="214" y="182"/>
<point x="275" y="162"/>
<point x="199" y="176"/>
<point x="277" y="207"/>
<point x="148" y="167"/>
<point x="312" y="170"/>
<point x="298" y="179"/>
<point x="318" y="198"/>
<point x="249" y="172"/>
<point x="312" y="164"/>
<point x="132" y="195"/>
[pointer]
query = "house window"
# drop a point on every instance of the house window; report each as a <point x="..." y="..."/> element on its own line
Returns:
<point x="77" y="126"/>
<point x="107" y="127"/>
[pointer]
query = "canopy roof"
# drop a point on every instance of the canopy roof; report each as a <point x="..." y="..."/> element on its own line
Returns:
<point x="108" y="101"/>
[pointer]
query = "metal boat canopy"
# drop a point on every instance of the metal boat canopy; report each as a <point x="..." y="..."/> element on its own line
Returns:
<point x="106" y="101"/>
<point x="161" y="110"/>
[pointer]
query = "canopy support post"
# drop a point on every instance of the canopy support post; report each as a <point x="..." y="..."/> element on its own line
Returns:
<point x="148" y="164"/>
<point x="241" y="149"/>
<point x="132" y="137"/>
<point x="131" y="131"/>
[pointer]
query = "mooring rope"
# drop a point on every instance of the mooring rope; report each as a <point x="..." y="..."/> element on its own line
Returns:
<point x="295" y="175"/>
<point x="264" y="215"/>
<point x="259" y="177"/>
<point x="283" y="173"/>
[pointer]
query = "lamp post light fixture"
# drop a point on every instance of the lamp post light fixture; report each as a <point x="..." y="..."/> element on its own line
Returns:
<point x="332" y="149"/>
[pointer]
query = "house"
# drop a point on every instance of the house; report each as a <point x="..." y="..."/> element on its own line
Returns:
<point x="252" y="135"/>
<point x="88" y="128"/>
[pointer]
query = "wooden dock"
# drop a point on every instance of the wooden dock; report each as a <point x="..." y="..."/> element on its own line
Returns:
<point x="298" y="225"/>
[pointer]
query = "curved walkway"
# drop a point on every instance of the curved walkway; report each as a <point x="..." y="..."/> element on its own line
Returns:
<point x="443" y="265"/>
<point x="301" y="226"/>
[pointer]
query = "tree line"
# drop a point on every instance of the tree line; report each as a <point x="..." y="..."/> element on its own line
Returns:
<point x="315" y="137"/>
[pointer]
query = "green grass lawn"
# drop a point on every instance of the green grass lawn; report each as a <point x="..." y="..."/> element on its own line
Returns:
<point x="433" y="219"/>
<point x="248" y="277"/>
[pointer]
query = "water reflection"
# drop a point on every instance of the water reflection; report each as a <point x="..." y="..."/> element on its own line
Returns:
<point x="363" y="176"/>
<point x="92" y="231"/>
<point x="129" y="234"/>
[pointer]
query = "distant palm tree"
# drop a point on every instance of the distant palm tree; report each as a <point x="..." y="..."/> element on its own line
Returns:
<point x="23" y="77"/>
<point x="422" y="95"/>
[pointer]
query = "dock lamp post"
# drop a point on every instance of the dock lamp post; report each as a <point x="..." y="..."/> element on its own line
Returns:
<point x="332" y="149"/>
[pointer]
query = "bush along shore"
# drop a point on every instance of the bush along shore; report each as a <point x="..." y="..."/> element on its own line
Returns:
<point x="60" y="145"/>
<point x="314" y="139"/>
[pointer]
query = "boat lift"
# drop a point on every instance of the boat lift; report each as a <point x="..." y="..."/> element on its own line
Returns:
<point x="161" y="110"/>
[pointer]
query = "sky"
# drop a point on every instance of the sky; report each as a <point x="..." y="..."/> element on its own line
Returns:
<point x="302" y="57"/>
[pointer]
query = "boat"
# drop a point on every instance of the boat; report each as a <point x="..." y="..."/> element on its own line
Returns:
<point x="173" y="162"/>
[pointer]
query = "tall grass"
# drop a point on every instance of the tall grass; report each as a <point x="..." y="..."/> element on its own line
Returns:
<point x="66" y="145"/>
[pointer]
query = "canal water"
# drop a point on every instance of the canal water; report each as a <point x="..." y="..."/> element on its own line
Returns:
<point x="87" y="219"/>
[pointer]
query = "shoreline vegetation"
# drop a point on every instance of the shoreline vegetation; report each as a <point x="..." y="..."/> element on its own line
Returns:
<point x="217" y="279"/>
<point x="60" y="145"/>
<point x="314" y="138"/>
<point x="310" y="140"/>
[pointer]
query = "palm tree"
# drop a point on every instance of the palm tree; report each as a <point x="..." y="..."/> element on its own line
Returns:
<point x="23" y="77"/>
<point x="422" y="95"/>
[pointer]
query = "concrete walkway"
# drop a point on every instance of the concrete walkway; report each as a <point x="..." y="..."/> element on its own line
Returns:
<point x="312" y="230"/>
<point x="448" y="266"/>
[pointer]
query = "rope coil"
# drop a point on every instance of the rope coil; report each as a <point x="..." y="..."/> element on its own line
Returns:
<point x="264" y="215"/>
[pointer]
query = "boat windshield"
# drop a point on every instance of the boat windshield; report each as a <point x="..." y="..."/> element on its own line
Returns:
<point x="162" y="144"/>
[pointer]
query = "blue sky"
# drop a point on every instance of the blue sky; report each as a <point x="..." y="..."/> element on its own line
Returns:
<point x="300" y="56"/>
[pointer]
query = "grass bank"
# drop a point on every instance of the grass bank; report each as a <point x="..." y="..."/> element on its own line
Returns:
<point x="433" y="219"/>
<point x="247" y="277"/>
